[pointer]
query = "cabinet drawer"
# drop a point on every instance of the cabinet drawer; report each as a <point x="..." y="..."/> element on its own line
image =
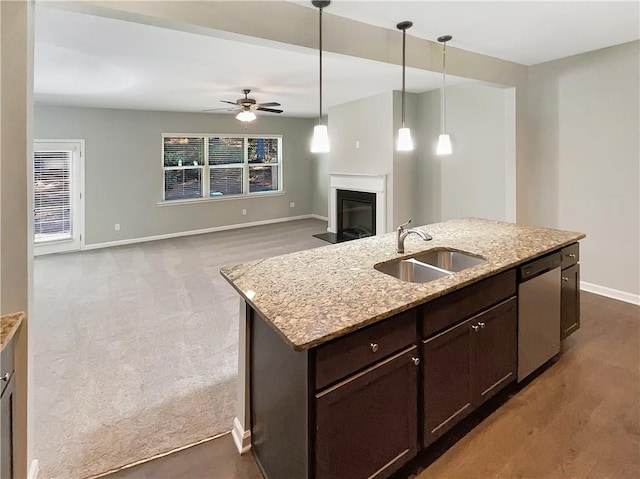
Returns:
<point x="448" y="310"/>
<point x="570" y="255"/>
<point x="343" y="356"/>
<point x="6" y="364"/>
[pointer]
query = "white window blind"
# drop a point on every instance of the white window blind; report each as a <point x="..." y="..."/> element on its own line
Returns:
<point x="52" y="195"/>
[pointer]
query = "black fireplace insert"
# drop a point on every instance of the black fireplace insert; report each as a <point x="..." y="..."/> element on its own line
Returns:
<point x="356" y="214"/>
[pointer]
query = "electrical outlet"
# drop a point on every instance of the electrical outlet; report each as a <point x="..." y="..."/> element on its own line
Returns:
<point x="357" y="144"/>
<point x="292" y="204"/>
<point x="244" y="212"/>
<point x="116" y="227"/>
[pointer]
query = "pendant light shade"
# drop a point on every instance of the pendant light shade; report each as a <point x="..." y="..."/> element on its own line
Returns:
<point x="444" y="145"/>
<point x="405" y="143"/>
<point x="246" y="116"/>
<point x="320" y="140"/>
<point x="444" y="141"/>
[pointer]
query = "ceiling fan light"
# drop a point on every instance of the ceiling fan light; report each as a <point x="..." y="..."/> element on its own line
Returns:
<point x="320" y="140"/>
<point x="444" y="145"/>
<point x="405" y="143"/>
<point x="246" y="116"/>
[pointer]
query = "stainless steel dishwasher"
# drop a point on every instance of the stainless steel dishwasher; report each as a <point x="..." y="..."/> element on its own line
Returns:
<point x="538" y="313"/>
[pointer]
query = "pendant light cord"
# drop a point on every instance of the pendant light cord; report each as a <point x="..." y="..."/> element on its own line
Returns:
<point x="444" y="87"/>
<point x="404" y="42"/>
<point x="320" y="29"/>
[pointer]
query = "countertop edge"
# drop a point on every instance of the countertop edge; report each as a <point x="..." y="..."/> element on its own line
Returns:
<point x="10" y="324"/>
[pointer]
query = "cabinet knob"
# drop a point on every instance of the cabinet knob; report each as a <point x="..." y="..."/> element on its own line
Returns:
<point x="564" y="278"/>
<point x="571" y="255"/>
<point x="475" y="327"/>
<point x="482" y="325"/>
<point x="374" y="347"/>
<point x="416" y="361"/>
<point x="5" y="377"/>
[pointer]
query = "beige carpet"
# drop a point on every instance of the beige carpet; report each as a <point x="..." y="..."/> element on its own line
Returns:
<point x="135" y="347"/>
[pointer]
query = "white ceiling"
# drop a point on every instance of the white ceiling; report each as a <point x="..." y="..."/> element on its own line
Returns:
<point x="85" y="60"/>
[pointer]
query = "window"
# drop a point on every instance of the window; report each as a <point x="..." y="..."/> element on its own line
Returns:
<point x="212" y="166"/>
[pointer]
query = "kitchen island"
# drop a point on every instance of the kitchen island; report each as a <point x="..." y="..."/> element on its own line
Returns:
<point x="349" y="371"/>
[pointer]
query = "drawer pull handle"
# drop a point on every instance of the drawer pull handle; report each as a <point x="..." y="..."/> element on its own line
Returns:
<point x="475" y="327"/>
<point x="416" y="361"/>
<point x="571" y="255"/>
<point x="5" y="377"/>
<point x="482" y="325"/>
<point x="564" y="278"/>
<point x="374" y="347"/>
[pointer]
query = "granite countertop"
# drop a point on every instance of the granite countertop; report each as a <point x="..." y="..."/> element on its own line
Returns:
<point x="9" y="324"/>
<point x="316" y="295"/>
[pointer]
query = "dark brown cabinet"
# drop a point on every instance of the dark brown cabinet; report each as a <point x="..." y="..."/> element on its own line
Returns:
<point x="495" y="349"/>
<point x="346" y="409"/>
<point x="570" y="301"/>
<point x="7" y="386"/>
<point x="570" y="291"/>
<point x="366" y="425"/>
<point x="447" y="380"/>
<point x="6" y="430"/>
<point x="467" y="364"/>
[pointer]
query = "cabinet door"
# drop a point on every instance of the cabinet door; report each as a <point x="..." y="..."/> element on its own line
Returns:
<point x="494" y="349"/>
<point x="447" y="380"/>
<point x="6" y="431"/>
<point x="366" y="425"/>
<point x="570" y="301"/>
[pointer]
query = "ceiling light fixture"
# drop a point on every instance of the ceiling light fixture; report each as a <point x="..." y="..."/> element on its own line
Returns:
<point x="444" y="141"/>
<point x="320" y="140"/>
<point x="246" y="116"/>
<point x="405" y="143"/>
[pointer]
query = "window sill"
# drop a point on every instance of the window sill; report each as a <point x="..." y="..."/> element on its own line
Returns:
<point x="220" y="198"/>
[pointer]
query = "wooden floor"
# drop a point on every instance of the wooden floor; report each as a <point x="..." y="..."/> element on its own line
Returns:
<point x="580" y="418"/>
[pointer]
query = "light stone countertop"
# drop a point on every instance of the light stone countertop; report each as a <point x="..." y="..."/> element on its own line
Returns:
<point x="9" y="324"/>
<point x="316" y="295"/>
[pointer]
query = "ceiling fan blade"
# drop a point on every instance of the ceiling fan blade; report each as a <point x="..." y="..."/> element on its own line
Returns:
<point x="221" y="109"/>
<point x="271" y="110"/>
<point x="272" y="103"/>
<point x="229" y="102"/>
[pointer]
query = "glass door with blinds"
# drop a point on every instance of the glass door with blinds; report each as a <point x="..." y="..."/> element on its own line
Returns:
<point x="57" y="196"/>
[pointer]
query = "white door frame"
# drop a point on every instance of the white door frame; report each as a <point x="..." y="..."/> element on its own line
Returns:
<point x="77" y="183"/>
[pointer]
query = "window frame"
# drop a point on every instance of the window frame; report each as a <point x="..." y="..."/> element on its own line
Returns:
<point x="206" y="168"/>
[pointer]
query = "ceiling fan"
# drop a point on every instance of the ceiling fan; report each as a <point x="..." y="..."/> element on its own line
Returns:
<point x="246" y="106"/>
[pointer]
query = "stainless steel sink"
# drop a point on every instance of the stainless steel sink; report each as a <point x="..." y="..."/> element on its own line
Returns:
<point x="429" y="266"/>
<point x="411" y="270"/>
<point x="448" y="259"/>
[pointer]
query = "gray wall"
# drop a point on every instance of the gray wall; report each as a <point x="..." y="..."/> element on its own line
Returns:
<point x="583" y="173"/>
<point x="368" y="121"/>
<point x="123" y="170"/>
<point x="478" y="179"/>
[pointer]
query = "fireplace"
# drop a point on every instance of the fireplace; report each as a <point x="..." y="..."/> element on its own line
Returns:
<point x="356" y="212"/>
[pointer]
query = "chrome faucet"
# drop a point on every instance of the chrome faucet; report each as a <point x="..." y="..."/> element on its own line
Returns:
<point x="402" y="233"/>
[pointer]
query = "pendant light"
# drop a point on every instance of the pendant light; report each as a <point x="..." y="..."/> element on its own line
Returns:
<point x="320" y="140"/>
<point x="405" y="143"/>
<point x="444" y="141"/>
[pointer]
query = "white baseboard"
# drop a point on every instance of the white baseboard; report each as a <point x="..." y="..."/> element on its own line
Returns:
<point x="318" y="217"/>
<point x="34" y="470"/>
<point x="241" y="437"/>
<point x="610" y="292"/>
<point x="179" y="234"/>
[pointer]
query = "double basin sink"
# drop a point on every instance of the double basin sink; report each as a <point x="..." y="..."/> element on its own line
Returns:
<point x="429" y="266"/>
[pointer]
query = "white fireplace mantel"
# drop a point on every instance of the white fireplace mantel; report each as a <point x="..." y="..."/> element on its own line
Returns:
<point x="368" y="183"/>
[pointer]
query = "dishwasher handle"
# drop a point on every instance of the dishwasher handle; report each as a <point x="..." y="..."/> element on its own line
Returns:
<point x="539" y="266"/>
